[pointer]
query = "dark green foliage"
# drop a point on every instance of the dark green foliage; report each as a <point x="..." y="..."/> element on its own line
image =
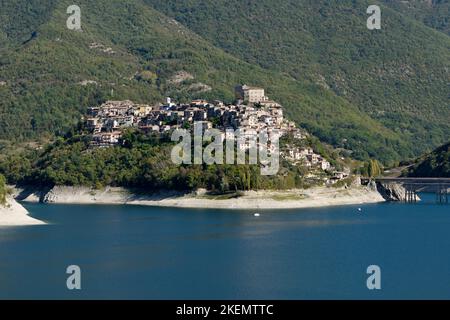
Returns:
<point x="143" y="162"/>
<point x="434" y="164"/>
<point x="370" y="169"/>
<point x="3" y="190"/>
<point x="373" y="169"/>
<point x="386" y="74"/>
<point x="434" y="13"/>
<point x="379" y="94"/>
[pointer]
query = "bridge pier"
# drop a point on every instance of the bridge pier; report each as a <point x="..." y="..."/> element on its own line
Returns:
<point x="442" y="195"/>
<point x="407" y="189"/>
<point x="410" y="194"/>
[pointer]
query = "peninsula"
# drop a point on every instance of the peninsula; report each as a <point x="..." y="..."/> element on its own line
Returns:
<point x="121" y="154"/>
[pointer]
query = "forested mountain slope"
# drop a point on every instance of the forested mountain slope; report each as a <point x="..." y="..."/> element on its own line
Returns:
<point x="433" y="13"/>
<point x="381" y="94"/>
<point x="398" y="75"/>
<point x="434" y="164"/>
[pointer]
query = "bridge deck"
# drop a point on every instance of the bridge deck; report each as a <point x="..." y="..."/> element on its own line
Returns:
<point x="413" y="186"/>
<point x="414" y="181"/>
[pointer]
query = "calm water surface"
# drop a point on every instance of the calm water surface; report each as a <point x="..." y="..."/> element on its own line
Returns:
<point x="133" y="252"/>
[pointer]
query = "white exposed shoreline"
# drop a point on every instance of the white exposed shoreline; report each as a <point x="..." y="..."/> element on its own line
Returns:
<point x="290" y="199"/>
<point x="13" y="214"/>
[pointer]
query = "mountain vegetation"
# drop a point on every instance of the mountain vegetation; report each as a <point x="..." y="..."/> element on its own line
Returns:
<point x="143" y="162"/>
<point x="386" y="74"/>
<point x="434" y="164"/>
<point x="3" y="190"/>
<point x="378" y="94"/>
<point x="433" y="13"/>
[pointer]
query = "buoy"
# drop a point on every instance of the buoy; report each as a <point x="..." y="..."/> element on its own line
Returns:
<point x="359" y="209"/>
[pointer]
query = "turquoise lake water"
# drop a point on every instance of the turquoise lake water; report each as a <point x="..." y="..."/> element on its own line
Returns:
<point x="134" y="252"/>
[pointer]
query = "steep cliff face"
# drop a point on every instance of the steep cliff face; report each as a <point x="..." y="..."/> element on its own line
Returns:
<point x="392" y="191"/>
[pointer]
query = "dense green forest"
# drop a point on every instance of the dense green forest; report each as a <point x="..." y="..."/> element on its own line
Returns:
<point x="379" y="94"/>
<point x="434" y="164"/>
<point x="386" y="73"/>
<point x="433" y="13"/>
<point x="144" y="162"/>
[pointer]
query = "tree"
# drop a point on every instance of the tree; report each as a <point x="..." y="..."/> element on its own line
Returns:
<point x="3" y="190"/>
<point x="374" y="169"/>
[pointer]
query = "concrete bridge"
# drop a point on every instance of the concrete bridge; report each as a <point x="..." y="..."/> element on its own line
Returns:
<point x="412" y="186"/>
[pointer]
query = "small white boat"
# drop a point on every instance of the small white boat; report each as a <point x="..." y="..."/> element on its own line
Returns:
<point x="256" y="215"/>
<point x="359" y="209"/>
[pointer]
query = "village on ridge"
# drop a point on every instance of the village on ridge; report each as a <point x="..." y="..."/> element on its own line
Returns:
<point x="252" y="112"/>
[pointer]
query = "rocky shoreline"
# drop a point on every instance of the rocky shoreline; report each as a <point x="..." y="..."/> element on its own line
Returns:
<point x="15" y="214"/>
<point x="286" y="199"/>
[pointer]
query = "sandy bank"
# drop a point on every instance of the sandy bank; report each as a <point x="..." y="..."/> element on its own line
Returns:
<point x="16" y="215"/>
<point x="314" y="197"/>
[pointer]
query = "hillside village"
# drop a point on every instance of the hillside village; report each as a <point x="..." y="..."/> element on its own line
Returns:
<point x="253" y="111"/>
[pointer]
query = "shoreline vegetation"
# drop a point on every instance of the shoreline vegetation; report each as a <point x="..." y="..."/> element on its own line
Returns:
<point x="286" y="199"/>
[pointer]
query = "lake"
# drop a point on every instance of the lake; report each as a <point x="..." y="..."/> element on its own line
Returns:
<point x="136" y="252"/>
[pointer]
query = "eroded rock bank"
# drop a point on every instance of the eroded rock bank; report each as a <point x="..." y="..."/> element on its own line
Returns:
<point x="286" y="199"/>
<point x="392" y="191"/>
